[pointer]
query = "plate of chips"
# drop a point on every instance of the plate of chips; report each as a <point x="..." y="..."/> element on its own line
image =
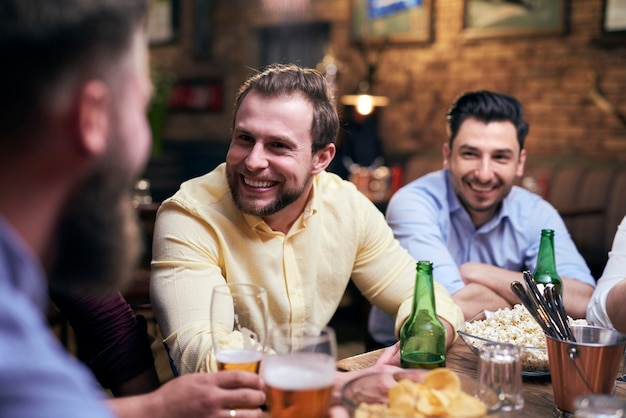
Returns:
<point x="417" y="393"/>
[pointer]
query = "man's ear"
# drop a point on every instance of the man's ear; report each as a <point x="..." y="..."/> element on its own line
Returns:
<point x="322" y="158"/>
<point x="445" y="150"/>
<point x="521" y="164"/>
<point x="93" y="117"/>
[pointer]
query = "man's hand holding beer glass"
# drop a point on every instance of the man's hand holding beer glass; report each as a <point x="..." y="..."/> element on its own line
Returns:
<point x="296" y="362"/>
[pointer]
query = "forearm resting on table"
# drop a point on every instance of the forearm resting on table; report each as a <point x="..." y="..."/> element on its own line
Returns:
<point x="489" y="287"/>
<point x="474" y="298"/>
<point x="615" y="306"/>
<point x="576" y="296"/>
<point x="498" y="280"/>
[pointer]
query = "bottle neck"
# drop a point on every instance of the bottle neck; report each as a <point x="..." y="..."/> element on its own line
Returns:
<point x="424" y="296"/>
<point x="546" y="260"/>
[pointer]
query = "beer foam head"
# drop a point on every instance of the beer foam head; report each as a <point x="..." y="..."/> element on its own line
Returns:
<point x="299" y="371"/>
<point x="236" y="339"/>
<point x="238" y="356"/>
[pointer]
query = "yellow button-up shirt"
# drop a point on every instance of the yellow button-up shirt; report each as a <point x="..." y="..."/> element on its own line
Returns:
<point x="201" y="240"/>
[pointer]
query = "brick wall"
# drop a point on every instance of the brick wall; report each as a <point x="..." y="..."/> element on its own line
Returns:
<point x="547" y="73"/>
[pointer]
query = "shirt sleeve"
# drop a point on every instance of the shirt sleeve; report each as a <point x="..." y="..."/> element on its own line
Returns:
<point x="614" y="272"/>
<point x="385" y="273"/>
<point x="183" y="273"/>
<point x="39" y="378"/>
<point x="111" y="339"/>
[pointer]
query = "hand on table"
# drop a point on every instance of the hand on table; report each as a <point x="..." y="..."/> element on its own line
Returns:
<point x="391" y="356"/>
<point x="389" y="361"/>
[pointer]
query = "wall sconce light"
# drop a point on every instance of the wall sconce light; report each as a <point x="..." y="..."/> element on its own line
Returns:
<point x="363" y="100"/>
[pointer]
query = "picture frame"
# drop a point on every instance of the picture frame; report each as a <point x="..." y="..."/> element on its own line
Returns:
<point x="163" y="22"/>
<point x="614" y="18"/>
<point x="198" y="95"/>
<point x="202" y="33"/>
<point x="399" y="21"/>
<point x="483" y="19"/>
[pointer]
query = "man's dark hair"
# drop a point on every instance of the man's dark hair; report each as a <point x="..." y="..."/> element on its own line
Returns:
<point x="486" y="106"/>
<point x="285" y="79"/>
<point x="47" y="44"/>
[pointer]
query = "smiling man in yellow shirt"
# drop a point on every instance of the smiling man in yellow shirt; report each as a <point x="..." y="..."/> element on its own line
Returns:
<point x="271" y="215"/>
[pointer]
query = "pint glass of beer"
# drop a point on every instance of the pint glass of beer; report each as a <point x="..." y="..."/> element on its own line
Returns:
<point x="239" y="316"/>
<point x="299" y="372"/>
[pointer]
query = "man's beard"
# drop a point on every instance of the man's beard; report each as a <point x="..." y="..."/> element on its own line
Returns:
<point x="99" y="241"/>
<point x="284" y="197"/>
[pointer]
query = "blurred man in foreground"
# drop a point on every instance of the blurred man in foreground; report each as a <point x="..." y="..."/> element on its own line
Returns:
<point x="74" y="88"/>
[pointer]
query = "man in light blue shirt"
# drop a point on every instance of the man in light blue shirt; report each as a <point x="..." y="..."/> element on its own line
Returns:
<point x="479" y="230"/>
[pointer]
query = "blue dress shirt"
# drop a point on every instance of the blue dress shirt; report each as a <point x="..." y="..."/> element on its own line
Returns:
<point x="38" y="378"/>
<point x="431" y="223"/>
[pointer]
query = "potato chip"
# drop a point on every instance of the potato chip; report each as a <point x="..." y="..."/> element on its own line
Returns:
<point x="428" y="403"/>
<point x="439" y="395"/>
<point x="467" y="406"/>
<point x="443" y="399"/>
<point x="445" y="382"/>
<point x="404" y="387"/>
<point x="403" y="400"/>
<point x="373" y="410"/>
<point x="401" y="413"/>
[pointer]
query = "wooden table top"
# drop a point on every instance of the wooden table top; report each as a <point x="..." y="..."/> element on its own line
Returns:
<point x="537" y="391"/>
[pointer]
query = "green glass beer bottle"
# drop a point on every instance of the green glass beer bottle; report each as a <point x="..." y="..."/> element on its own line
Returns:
<point x="423" y="336"/>
<point x="545" y="273"/>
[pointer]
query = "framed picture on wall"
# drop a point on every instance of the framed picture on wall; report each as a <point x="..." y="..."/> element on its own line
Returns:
<point x="163" y="22"/>
<point x="513" y="18"/>
<point x="202" y="28"/>
<point x="614" y="17"/>
<point x="392" y="20"/>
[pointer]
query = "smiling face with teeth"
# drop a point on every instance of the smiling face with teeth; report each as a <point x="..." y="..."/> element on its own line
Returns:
<point x="484" y="161"/>
<point x="270" y="162"/>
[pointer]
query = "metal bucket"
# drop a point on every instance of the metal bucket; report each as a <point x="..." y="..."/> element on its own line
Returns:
<point x="588" y="366"/>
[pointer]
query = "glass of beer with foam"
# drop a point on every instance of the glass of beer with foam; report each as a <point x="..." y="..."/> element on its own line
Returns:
<point x="239" y="316"/>
<point x="299" y="371"/>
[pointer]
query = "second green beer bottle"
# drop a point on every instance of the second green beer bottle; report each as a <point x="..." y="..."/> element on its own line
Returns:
<point x="545" y="273"/>
<point x="423" y="336"/>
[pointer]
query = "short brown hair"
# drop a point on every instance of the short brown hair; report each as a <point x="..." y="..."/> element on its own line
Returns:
<point x="286" y="79"/>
